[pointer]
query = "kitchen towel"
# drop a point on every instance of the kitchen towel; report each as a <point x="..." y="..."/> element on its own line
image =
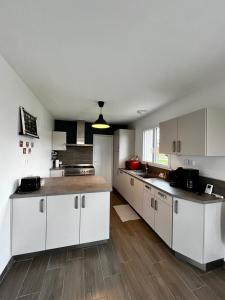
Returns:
<point x="126" y="213"/>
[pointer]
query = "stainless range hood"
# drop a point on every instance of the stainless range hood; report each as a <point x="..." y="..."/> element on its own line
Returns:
<point x="80" y="135"/>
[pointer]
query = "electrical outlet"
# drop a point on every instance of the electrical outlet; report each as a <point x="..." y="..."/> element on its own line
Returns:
<point x="209" y="189"/>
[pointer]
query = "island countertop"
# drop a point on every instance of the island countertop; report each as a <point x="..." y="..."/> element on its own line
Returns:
<point x="68" y="185"/>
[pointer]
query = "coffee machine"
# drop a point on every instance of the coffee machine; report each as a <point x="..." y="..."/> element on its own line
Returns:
<point x="187" y="179"/>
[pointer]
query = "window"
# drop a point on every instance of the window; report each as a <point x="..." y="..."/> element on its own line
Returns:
<point x="151" y="139"/>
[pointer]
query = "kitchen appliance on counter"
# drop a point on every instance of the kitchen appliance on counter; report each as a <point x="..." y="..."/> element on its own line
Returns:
<point x="133" y="164"/>
<point x="187" y="179"/>
<point x="79" y="170"/>
<point x="29" y="184"/>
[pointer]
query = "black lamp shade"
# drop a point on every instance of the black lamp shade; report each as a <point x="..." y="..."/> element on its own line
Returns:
<point x="100" y="123"/>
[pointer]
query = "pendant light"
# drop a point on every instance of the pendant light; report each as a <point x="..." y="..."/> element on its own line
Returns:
<point x="100" y="123"/>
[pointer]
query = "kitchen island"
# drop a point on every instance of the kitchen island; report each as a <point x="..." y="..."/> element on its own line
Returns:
<point x="68" y="185"/>
<point x="66" y="211"/>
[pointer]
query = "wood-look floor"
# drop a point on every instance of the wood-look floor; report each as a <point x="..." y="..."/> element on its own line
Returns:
<point x="134" y="264"/>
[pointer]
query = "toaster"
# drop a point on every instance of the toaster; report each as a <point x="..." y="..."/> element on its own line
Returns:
<point x="30" y="184"/>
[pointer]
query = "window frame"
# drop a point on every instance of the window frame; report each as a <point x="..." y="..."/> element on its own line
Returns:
<point x="153" y="163"/>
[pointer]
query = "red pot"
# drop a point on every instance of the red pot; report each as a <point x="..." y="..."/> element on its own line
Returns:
<point x="133" y="164"/>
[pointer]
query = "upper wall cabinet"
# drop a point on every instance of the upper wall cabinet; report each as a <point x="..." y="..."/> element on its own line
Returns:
<point x="58" y="140"/>
<point x="200" y="133"/>
<point x="168" y="136"/>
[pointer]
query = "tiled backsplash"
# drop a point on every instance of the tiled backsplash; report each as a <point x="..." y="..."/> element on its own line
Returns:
<point x="218" y="185"/>
<point x="76" y="155"/>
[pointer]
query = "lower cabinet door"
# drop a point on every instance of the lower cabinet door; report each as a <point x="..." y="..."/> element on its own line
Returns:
<point x="148" y="207"/>
<point x="138" y="195"/>
<point x="188" y="229"/>
<point x="28" y="225"/>
<point x="163" y="221"/>
<point x="94" y="222"/>
<point x="63" y="221"/>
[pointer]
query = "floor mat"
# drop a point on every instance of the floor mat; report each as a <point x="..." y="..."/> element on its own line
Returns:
<point x="126" y="213"/>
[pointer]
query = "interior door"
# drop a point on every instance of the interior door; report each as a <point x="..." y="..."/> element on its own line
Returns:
<point x="103" y="156"/>
<point x="63" y="221"/>
<point x="94" y="220"/>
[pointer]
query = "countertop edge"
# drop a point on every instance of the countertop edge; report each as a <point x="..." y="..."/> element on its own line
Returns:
<point x="30" y="195"/>
<point x="191" y="198"/>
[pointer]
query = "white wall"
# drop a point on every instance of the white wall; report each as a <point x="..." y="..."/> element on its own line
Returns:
<point x="13" y="164"/>
<point x="212" y="96"/>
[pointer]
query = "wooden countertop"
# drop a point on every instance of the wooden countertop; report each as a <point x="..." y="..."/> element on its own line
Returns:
<point x="69" y="185"/>
<point x="164" y="186"/>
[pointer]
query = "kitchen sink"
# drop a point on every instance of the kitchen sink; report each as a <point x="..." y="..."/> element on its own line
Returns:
<point x="145" y="175"/>
<point x="141" y="174"/>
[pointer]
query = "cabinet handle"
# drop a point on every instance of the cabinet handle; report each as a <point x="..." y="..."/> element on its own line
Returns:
<point x="156" y="205"/>
<point x="161" y="195"/>
<point x="176" y="206"/>
<point x="83" y="202"/>
<point x="152" y="202"/>
<point x="41" y="205"/>
<point x="174" y="146"/>
<point x="148" y="187"/>
<point x="76" y="202"/>
<point x="179" y="146"/>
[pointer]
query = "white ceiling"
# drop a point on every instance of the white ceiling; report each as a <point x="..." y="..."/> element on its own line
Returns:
<point x="131" y="54"/>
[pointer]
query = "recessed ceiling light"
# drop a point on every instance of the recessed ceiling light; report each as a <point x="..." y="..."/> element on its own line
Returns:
<point x="142" y="111"/>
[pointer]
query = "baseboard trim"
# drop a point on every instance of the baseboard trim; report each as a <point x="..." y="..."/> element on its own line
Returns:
<point x="204" y="267"/>
<point x="6" y="269"/>
<point x="28" y="256"/>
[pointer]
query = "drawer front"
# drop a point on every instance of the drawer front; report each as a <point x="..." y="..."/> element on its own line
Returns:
<point x="148" y="187"/>
<point x="164" y="197"/>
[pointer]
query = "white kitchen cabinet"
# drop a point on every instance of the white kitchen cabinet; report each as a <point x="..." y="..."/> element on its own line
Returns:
<point x="103" y="156"/>
<point x="132" y="190"/>
<point x="164" y="217"/>
<point x="125" y="185"/>
<point x="28" y="225"/>
<point x="63" y="221"/>
<point x="116" y="170"/>
<point x="198" y="230"/>
<point x="168" y="136"/>
<point x="95" y="215"/>
<point x="122" y="182"/>
<point x="191" y="133"/>
<point x="188" y="231"/>
<point x="123" y="144"/>
<point x="56" y="173"/>
<point x="129" y="189"/>
<point x="58" y="140"/>
<point x="138" y="195"/>
<point x="149" y="205"/>
<point x="198" y="133"/>
<point x="158" y="212"/>
<point x="123" y="149"/>
<point x="41" y="223"/>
